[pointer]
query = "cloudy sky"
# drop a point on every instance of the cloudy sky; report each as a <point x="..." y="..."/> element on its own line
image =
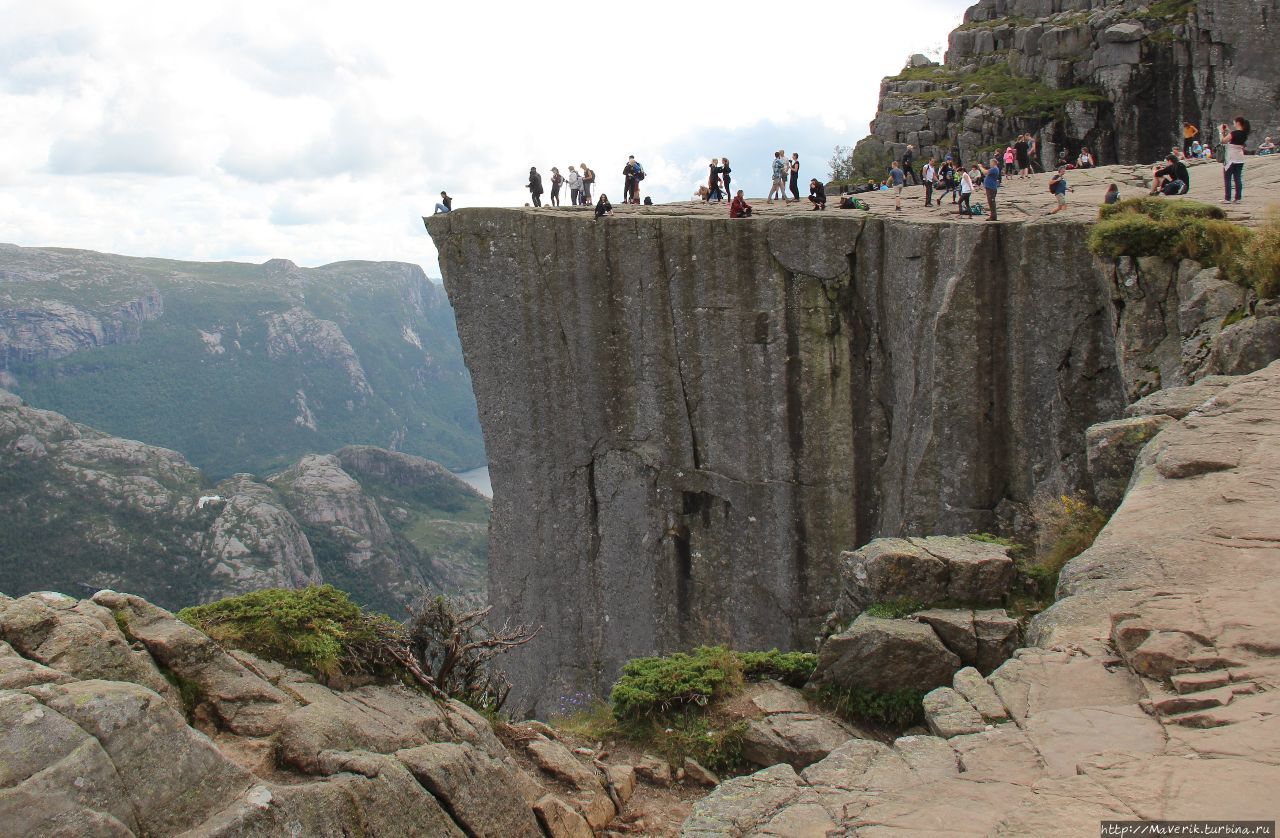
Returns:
<point x="319" y="131"/>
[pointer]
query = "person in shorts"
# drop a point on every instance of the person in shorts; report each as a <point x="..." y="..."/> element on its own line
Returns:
<point x="898" y="180"/>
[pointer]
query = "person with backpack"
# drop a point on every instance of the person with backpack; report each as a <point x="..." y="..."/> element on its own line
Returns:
<point x="1058" y="188"/>
<point x="908" y="165"/>
<point x="966" y="192"/>
<point x="1173" y="179"/>
<point x="991" y="183"/>
<point x="794" y="171"/>
<point x="535" y="186"/>
<point x="930" y="176"/>
<point x="779" y="173"/>
<point x="575" y="186"/>
<point x="738" y="207"/>
<point x="556" y="182"/>
<point x="588" y="179"/>
<point x="1233" y="163"/>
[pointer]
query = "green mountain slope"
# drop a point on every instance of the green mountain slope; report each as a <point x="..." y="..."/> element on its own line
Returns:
<point x="239" y="367"/>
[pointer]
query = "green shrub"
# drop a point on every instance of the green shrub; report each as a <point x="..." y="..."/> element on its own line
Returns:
<point x="1161" y="209"/>
<point x="898" y="709"/>
<point x="654" y="686"/>
<point x="989" y="538"/>
<point x="996" y="85"/>
<point x="1068" y="526"/>
<point x="317" y="629"/>
<point x="791" y="668"/>
<point x="1175" y="229"/>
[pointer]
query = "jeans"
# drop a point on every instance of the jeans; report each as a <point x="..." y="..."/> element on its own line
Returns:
<point x="909" y="172"/>
<point x="962" y="206"/>
<point x="441" y="208"/>
<point x="574" y="196"/>
<point x="555" y="196"/>
<point x="537" y="199"/>
<point x="928" y="194"/>
<point x="1234" y="172"/>
<point x="991" y="204"/>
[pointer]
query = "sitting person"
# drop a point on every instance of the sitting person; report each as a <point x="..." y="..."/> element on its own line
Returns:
<point x="1172" y="179"/>
<point x="738" y="207"/>
<point x="817" y="194"/>
<point x="603" y="207"/>
<point x="1197" y="150"/>
<point x="704" y="193"/>
<point x="1085" y="160"/>
<point x="1112" y="196"/>
<point x="1267" y="147"/>
<point x="445" y="205"/>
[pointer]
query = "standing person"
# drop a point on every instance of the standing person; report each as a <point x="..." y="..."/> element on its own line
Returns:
<point x="575" y="186"/>
<point x="535" y="186"/>
<point x="637" y="175"/>
<point x="795" y="176"/>
<point x="899" y="179"/>
<point x="991" y="183"/>
<point x="1233" y="165"/>
<point x="908" y="164"/>
<point x="1189" y="133"/>
<point x="713" y="180"/>
<point x="739" y="208"/>
<point x="1058" y="187"/>
<point x="724" y="174"/>
<point x="588" y="179"/>
<point x="628" y="179"/>
<point x="1022" y="151"/>
<point x="930" y="175"/>
<point x="817" y="194"/>
<point x="556" y="182"/>
<point x="603" y="207"/>
<point x="966" y="192"/>
<point x="1033" y="153"/>
<point x="779" y="172"/>
<point x="1009" y="158"/>
<point x="947" y="181"/>
<point x="445" y="205"/>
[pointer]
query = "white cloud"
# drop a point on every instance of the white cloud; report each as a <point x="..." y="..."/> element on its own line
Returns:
<point x="320" y="131"/>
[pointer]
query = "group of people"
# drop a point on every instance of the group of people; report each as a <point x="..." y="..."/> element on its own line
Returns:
<point x="579" y="184"/>
<point x="786" y="172"/>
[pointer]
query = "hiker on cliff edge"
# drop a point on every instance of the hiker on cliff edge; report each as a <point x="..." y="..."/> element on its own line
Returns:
<point x="779" y="172"/>
<point x="908" y="164"/>
<point x="991" y="183"/>
<point x="535" y="186"/>
<point x="739" y="208"/>
<point x="930" y="176"/>
<point x="445" y="205"/>
<point x="1233" y="165"/>
<point x="898" y="178"/>
<point x="588" y="179"/>
<point x="575" y="186"/>
<point x="557" y="180"/>
<point x="793" y="169"/>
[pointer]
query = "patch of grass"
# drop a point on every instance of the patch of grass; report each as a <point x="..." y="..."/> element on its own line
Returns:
<point x="1260" y="265"/>
<point x="791" y="668"/>
<point x="1068" y="526"/>
<point x="898" y="709"/>
<point x="894" y="609"/>
<point x="996" y="85"/>
<point x="996" y="23"/>
<point x="715" y="744"/>
<point x="1167" y="11"/>
<point x="317" y="629"/>
<point x="1183" y="229"/>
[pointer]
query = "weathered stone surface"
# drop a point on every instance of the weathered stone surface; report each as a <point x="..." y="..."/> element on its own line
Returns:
<point x="753" y="408"/>
<point x="242" y="701"/>
<point x="798" y="739"/>
<point x="954" y="627"/>
<point x="1177" y="402"/>
<point x="772" y="697"/>
<point x="696" y="773"/>
<point x="559" y="819"/>
<point x="948" y="714"/>
<point x="622" y="779"/>
<point x="975" y="689"/>
<point x="17" y="672"/>
<point x="881" y="654"/>
<point x="998" y="635"/>
<point x="558" y="761"/>
<point x="977" y="571"/>
<point x="1245" y="347"/>
<point x="1113" y="449"/>
<point x="654" y="770"/>
<point x="474" y="786"/>
<point x="758" y="804"/>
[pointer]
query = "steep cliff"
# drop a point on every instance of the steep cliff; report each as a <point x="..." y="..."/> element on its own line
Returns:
<point x="688" y="418"/>
<point x="239" y="367"/>
<point x="1118" y="76"/>
<point x="85" y="510"/>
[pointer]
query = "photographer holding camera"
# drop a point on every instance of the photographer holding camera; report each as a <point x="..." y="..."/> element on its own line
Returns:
<point x="1233" y="162"/>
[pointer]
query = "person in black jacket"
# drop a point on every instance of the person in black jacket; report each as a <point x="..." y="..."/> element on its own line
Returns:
<point x="1172" y="179"/>
<point x="535" y="186"/>
<point x="794" y="169"/>
<point x="908" y="164"/>
<point x="724" y="175"/>
<point x="603" y="207"/>
<point x="817" y="194"/>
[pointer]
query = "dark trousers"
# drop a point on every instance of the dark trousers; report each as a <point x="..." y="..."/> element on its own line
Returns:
<point x="963" y="204"/>
<point x="537" y="198"/>
<point x="574" y="196"/>
<point x="555" y="196"/>
<point x="909" y="172"/>
<point x="795" y="186"/>
<point x="1186" y="145"/>
<point x="1233" y="173"/>
<point x="991" y="204"/>
<point x="628" y="184"/>
<point x="585" y="197"/>
<point x="728" y="193"/>
<point x="928" y="194"/>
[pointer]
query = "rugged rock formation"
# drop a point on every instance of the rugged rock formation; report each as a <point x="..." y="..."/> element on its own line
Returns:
<point x="239" y="367"/>
<point x="1149" y="692"/>
<point x="689" y="423"/>
<point x="1118" y="76"/>
<point x="83" y="510"/>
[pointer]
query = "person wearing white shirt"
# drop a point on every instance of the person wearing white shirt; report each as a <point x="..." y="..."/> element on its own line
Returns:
<point x="1233" y="165"/>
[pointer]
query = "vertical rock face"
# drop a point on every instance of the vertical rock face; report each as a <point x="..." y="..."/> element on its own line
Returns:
<point x="688" y="419"/>
<point x="1136" y="71"/>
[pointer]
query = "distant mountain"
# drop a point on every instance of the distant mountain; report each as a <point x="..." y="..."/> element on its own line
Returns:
<point x="83" y="510"/>
<point x="240" y="367"/>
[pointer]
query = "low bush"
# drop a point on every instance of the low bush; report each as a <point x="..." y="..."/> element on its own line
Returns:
<point x="791" y="668"/>
<point x="1067" y="526"/>
<point x="894" y="609"/>
<point x="317" y="629"/>
<point x="897" y="709"/>
<point x="1261" y="262"/>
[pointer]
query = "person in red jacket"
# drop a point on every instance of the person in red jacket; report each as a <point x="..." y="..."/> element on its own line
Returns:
<point x="739" y="208"/>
